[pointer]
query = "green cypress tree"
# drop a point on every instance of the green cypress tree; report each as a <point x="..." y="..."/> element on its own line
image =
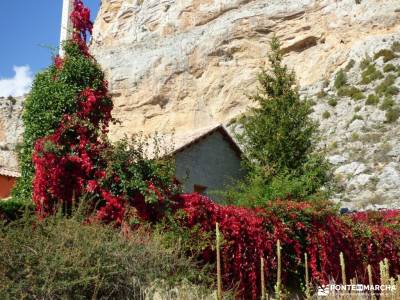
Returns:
<point x="279" y="139"/>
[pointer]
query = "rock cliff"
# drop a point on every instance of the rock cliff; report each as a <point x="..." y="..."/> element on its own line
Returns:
<point x="183" y="65"/>
<point x="180" y="66"/>
<point x="11" y="129"/>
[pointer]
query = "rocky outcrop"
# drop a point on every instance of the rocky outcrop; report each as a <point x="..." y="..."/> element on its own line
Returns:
<point x="360" y="125"/>
<point x="11" y="129"/>
<point x="183" y="65"/>
<point x="180" y="65"/>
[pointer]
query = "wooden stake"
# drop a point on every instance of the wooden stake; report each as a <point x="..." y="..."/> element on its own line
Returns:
<point x="219" y="278"/>
<point x="278" y="275"/>
<point x="370" y="281"/>
<point x="308" y="295"/>
<point x="262" y="280"/>
<point x="343" y="267"/>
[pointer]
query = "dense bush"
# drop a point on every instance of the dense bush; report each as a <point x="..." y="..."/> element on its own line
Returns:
<point x="316" y="229"/>
<point x="61" y="258"/>
<point x="386" y="87"/>
<point x="370" y="74"/>
<point x="13" y="209"/>
<point x="392" y="115"/>
<point x="372" y="100"/>
<point x="351" y="91"/>
<point x="340" y="79"/>
<point x="332" y="102"/>
<point x="145" y="180"/>
<point x="387" y="55"/>
<point x="389" y="68"/>
<point x="326" y="115"/>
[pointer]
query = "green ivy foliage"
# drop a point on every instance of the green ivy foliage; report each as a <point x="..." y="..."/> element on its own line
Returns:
<point x="131" y="161"/>
<point x="48" y="101"/>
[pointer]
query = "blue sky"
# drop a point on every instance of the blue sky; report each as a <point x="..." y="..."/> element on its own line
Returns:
<point x="28" y="30"/>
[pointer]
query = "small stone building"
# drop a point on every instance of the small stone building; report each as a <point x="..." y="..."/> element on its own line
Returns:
<point x="7" y="182"/>
<point x="208" y="162"/>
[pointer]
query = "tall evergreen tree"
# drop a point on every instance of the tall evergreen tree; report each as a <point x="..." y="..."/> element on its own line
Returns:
<point x="279" y="139"/>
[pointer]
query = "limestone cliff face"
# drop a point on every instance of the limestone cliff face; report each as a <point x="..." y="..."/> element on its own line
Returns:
<point x="11" y="129"/>
<point x="188" y="64"/>
<point x="184" y="65"/>
<point x="181" y="65"/>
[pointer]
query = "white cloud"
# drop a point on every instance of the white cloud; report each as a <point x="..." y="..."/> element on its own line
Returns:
<point x="18" y="85"/>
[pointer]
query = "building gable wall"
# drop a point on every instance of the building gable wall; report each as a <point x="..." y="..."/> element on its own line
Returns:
<point x="211" y="162"/>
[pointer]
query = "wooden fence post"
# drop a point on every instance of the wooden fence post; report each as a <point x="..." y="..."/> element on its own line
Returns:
<point x="219" y="278"/>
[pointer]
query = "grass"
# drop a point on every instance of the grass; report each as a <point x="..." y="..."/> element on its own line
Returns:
<point x="332" y="102"/>
<point x="387" y="55"/>
<point x="389" y="68"/>
<point x="356" y="117"/>
<point x="321" y="94"/>
<point x="372" y="100"/>
<point x="370" y="74"/>
<point x="340" y="79"/>
<point x="355" y="137"/>
<point x="365" y="63"/>
<point x="386" y="87"/>
<point x="387" y="103"/>
<point x="326" y="115"/>
<point x="392" y="115"/>
<point x="61" y="258"/>
<point x="395" y="47"/>
<point x="352" y="92"/>
<point x="350" y="65"/>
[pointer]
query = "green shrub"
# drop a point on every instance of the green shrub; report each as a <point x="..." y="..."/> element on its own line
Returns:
<point x="340" y="79"/>
<point x="130" y="160"/>
<point x="61" y="258"/>
<point x="357" y="108"/>
<point x="326" y="115"/>
<point x="352" y="92"/>
<point x="372" y="99"/>
<point x="358" y="96"/>
<point x="14" y="209"/>
<point x="12" y="100"/>
<point x="387" y="55"/>
<point x="396" y="46"/>
<point x="370" y="74"/>
<point x="356" y="117"/>
<point x="365" y="63"/>
<point x="355" y="137"/>
<point x="387" y="103"/>
<point x="392" y="114"/>
<point x="389" y="68"/>
<point x="321" y="94"/>
<point x="386" y="87"/>
<point x="332" y="102"/>
<point x="350" y="65"/>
